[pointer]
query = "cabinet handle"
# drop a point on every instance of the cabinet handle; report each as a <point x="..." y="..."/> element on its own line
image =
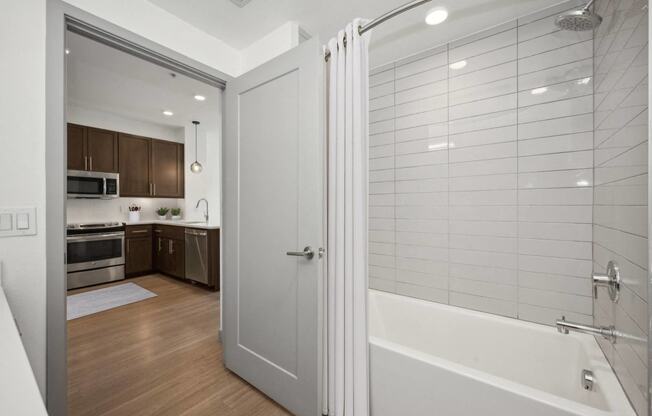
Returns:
<point x="90" y="162"/>
<point x="159" y="244"/>
<point x="85" y="162"/>
<point x="139" y="231"/>
<point x="171" y="251"/>
<point x="154" y="189"/>
<point x="150" y="188"/>
<point x="128" y="246"/>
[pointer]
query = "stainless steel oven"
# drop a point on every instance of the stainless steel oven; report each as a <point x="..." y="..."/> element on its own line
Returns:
<point x="95" y="253"/>
<point x="93" y="185"/>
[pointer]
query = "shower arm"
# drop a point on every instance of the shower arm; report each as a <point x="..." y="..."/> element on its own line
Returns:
<point x="588" y="5"/>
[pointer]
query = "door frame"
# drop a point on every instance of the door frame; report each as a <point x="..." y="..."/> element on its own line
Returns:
<point x="59" y="17"/>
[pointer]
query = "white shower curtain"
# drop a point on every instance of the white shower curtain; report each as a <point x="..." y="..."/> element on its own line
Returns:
<point x="348" y="131"/>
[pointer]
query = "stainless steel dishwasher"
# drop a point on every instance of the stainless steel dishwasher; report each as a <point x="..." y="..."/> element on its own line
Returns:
<point x="197" y="255"/>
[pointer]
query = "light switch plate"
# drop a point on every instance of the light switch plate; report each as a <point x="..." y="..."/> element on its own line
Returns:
<point x="17" y="221"/>
<point x="6" y="222"/>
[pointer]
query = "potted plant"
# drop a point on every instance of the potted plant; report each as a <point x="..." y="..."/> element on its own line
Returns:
<point x="176" y="213"/>
<point x="162" y="213"/>
<point x="134" y="213"/>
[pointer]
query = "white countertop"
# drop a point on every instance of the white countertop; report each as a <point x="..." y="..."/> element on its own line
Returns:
<point x="179" y="223"/>
<point x="19" y="393"/>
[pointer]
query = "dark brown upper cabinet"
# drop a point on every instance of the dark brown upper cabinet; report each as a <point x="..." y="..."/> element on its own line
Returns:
<point x="147" y="167"/>
<point x="92" y="149"/>
<point x="135" y="160"/>
<point x="150" y="167"/>
<point x="77" y="159"/>
<point x="102" y="150"/>
<point x="167" y="169"/>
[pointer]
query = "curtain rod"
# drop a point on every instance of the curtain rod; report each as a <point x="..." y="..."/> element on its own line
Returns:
<point x="382" y="19"/>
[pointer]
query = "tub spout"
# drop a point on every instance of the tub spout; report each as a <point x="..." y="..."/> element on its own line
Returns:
<point x="565" y="327"/>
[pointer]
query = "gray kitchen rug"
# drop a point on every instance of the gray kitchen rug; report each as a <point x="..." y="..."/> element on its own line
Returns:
<point x="99" y="300"/>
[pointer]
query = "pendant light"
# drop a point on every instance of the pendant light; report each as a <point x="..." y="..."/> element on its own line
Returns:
<point x="196" y="167"/>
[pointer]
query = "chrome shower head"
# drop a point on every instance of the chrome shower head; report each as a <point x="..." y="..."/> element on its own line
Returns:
<point x="579" y="20"/>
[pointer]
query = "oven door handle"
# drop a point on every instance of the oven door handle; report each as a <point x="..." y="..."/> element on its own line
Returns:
<point x="95" y="237"/>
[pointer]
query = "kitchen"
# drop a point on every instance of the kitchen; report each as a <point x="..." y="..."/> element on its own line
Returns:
<point x="143" y="227"/>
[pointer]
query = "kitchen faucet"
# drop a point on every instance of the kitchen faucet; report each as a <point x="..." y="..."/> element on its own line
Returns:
<point x="206" y="212"/>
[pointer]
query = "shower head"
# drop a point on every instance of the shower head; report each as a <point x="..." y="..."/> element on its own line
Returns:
<point x="579" y="20"/>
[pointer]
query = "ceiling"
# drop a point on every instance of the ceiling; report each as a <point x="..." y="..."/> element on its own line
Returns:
<point x="105" y="79"/>
<point x="239" y="27"/>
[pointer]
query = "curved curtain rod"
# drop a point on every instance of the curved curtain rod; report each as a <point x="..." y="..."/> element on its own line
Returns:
<point x="382" y="19"/>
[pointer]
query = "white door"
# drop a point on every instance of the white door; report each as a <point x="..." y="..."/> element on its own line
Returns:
<point x="273" y="204"/>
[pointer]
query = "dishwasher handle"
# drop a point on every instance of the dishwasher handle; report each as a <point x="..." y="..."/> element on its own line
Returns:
<point x="196" y="232"/>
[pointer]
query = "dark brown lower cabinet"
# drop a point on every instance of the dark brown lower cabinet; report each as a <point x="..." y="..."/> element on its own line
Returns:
<point x="170" y="256"/>
<point x="138" y="250"/>
<point x="161" y="248"/>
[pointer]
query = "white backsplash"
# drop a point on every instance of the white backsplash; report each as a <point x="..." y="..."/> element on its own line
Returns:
<point x="93" y="210"/>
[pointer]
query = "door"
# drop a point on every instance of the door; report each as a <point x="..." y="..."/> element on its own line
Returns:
<point x="139" y="255"/>
<point x="176" y="257"/>
<point x="102" y="149"/>
<point x="161" y="258"/>
<point x="273" y="203"/>
<point x="134" y="165"/>
<point x="167" y="169"/>
<point x="76" y="147"/>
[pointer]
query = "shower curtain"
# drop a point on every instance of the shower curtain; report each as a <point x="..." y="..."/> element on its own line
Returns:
<point x="348" y="131"/>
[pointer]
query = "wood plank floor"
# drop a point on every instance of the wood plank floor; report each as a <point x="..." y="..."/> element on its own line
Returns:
<point x="159" y="357"/>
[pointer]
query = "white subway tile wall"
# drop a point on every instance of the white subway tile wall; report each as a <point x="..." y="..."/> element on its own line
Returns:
<point x="620" y="193"/>
<point x="482" y="172"/>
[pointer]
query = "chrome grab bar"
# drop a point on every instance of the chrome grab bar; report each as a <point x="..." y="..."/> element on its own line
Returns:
<point x="565" y="327"/>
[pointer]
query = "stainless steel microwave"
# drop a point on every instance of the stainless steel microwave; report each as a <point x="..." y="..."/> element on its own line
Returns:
<point x="95" y="185"/>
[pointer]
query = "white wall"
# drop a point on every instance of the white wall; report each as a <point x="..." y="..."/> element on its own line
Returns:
<point x="272" y="45"/>
<point x="481" y="175"/>
<point x="109" y="121"/>
<point x="22" y="168"/>
<point x="207" y="183"/>
<point x="156" y="24"/>
<point x="620" y="213"/>
<point x="96" y="210"/>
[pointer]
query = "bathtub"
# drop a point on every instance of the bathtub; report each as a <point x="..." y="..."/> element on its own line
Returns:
<point x="432" y="359"/>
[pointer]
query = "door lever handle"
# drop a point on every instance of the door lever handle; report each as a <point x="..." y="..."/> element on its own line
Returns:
<point x="307" y="252"/>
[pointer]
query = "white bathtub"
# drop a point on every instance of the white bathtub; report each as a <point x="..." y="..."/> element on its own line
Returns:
<point x="432" y="359"/>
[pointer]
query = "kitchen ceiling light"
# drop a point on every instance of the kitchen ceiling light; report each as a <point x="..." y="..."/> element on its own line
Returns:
<point x="458" y="65"/>
<point x="168" y="113"/>
<point x="200" y="97"/>
<point x="196" y="167"/>
<point x="538" y="91"/>
<point x="67" y="51"/>
<point x="436" y="16"/>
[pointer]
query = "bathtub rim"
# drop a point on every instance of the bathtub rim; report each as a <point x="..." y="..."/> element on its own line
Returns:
<point x="614" y="395"/>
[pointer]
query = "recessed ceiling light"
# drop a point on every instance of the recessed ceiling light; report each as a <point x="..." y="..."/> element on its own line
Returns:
<point x="168" y="113"/>
<point x="538" y="91"/>
<point x="584" y="81"/>
<point x="436" y="16"/>
<point x="67" y="51"/>
<point x="199" y="97"/>
<point x="458" y="65"/>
